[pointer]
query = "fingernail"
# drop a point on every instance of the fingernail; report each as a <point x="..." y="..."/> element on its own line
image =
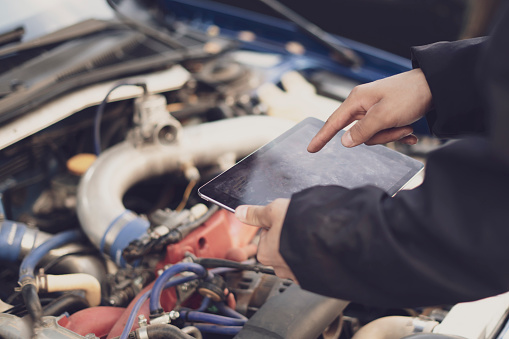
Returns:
<point x="241" y="213"/>
<point x="346" y="140"/>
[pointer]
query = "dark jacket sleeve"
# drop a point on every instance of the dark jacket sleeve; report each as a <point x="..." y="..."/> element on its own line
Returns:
<point x="443" y="242"/>
<point x="451" y="71"/>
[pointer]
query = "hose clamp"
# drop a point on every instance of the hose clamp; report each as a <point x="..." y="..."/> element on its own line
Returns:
<point x="142" y="332"/>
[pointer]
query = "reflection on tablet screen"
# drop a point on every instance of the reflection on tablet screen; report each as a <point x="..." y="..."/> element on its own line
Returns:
<point x="284" y="167"/>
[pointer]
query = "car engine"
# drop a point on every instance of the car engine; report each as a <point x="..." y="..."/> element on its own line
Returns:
<point x="110" y="123"/>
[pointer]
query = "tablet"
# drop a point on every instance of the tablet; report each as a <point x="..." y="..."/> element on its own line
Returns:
<point x="284" y="166"/>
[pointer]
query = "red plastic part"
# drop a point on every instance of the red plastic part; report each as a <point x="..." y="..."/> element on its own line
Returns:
<point x="98" y="320"/>
<point x="214" y="239"/>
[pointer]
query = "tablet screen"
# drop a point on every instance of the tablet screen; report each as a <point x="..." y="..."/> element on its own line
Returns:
<point x="284" y="166"/>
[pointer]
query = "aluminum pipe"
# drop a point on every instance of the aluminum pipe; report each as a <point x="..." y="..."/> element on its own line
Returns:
<point x="103" y="217"/>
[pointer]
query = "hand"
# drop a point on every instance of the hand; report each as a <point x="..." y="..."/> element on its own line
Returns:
<point x="384" y="110"/>
<point x="270" y="218"/>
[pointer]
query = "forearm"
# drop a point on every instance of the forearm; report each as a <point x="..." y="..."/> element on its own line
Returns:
<point x="431" y="245"/>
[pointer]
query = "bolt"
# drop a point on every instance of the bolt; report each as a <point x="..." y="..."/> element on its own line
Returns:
<point x="174" y="315"/>
<point x="142" y="321"/>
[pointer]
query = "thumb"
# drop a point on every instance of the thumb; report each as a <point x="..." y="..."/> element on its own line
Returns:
<point x="365" y="128"/>
<point x="253" y="215"/>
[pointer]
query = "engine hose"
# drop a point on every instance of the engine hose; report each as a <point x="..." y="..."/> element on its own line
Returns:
<point x="69" y="303"/>
<point x="212" y="262"/>
<point x="161" y="331"/>
<point x="228" y="311"/>
<point x="204" y="304"/>
<point x="32" y="302"/>
<point x="17" y="239"/>
<point x="143" y="298"/>
<point x="193" y="316"/>
<point x="102" y="214"/>
<point x="26" y="270"/>
<point x="69" y="282"/>
<point x="225" y="330"/>
<point x="155" y="304"/>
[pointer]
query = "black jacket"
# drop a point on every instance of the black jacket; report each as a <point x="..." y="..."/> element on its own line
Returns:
<point x="447" y="240"/>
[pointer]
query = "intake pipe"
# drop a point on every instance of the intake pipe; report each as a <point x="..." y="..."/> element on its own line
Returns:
<point x="102" y="215"/>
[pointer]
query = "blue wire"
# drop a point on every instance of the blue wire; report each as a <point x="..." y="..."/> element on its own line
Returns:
<point x="225" y="330"/>
<point x="155" y="303"/>
<point x="193" y="316"/>
<point x="143" y="298"/>
<point x="29" y="263"/>
<point x="100" y="111"/>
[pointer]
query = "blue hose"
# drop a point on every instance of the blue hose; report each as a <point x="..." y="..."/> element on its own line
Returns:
<point x="155" y="304"/>
<point x="225" y="330"/>
<point x="204" y="305"/>
<point x="193" y="316"/>
<point x="28" y="264"/>
<point x="144" y="296"/>
<point x="229" y="312"/>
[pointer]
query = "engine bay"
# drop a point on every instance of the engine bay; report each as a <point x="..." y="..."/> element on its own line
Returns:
<point x="109" y="126"/>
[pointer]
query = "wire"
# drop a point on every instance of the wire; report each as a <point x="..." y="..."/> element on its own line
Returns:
<point x="187" y="193"/>
<point x="155" y="304"/>
<point x="100" y="111"/>
<point x="143" y="298"/>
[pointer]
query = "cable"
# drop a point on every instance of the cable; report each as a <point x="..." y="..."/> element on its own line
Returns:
<point x="193" y="316"/>
<point x="212" y="262"/>
<point x="100" y="111"/>
<point x="143" y="298"/>
<point x="225" y="330"/>
<point x="155" y="304"/>
<point x="187" y="193"/>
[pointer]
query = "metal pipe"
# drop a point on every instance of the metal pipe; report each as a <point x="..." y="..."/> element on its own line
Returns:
<point x="69" y="282"/>
<point x="104" y="219"/>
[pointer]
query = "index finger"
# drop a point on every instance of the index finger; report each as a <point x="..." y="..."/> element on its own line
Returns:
<point x="253" y="215"/>
<point x="342" y="117"/>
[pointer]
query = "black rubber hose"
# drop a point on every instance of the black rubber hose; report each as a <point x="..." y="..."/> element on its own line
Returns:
<point x="66" y="303"/>
<point x="32" y="302"/>
<point x="164" y="331"/>
<point x="213" y="263"/>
